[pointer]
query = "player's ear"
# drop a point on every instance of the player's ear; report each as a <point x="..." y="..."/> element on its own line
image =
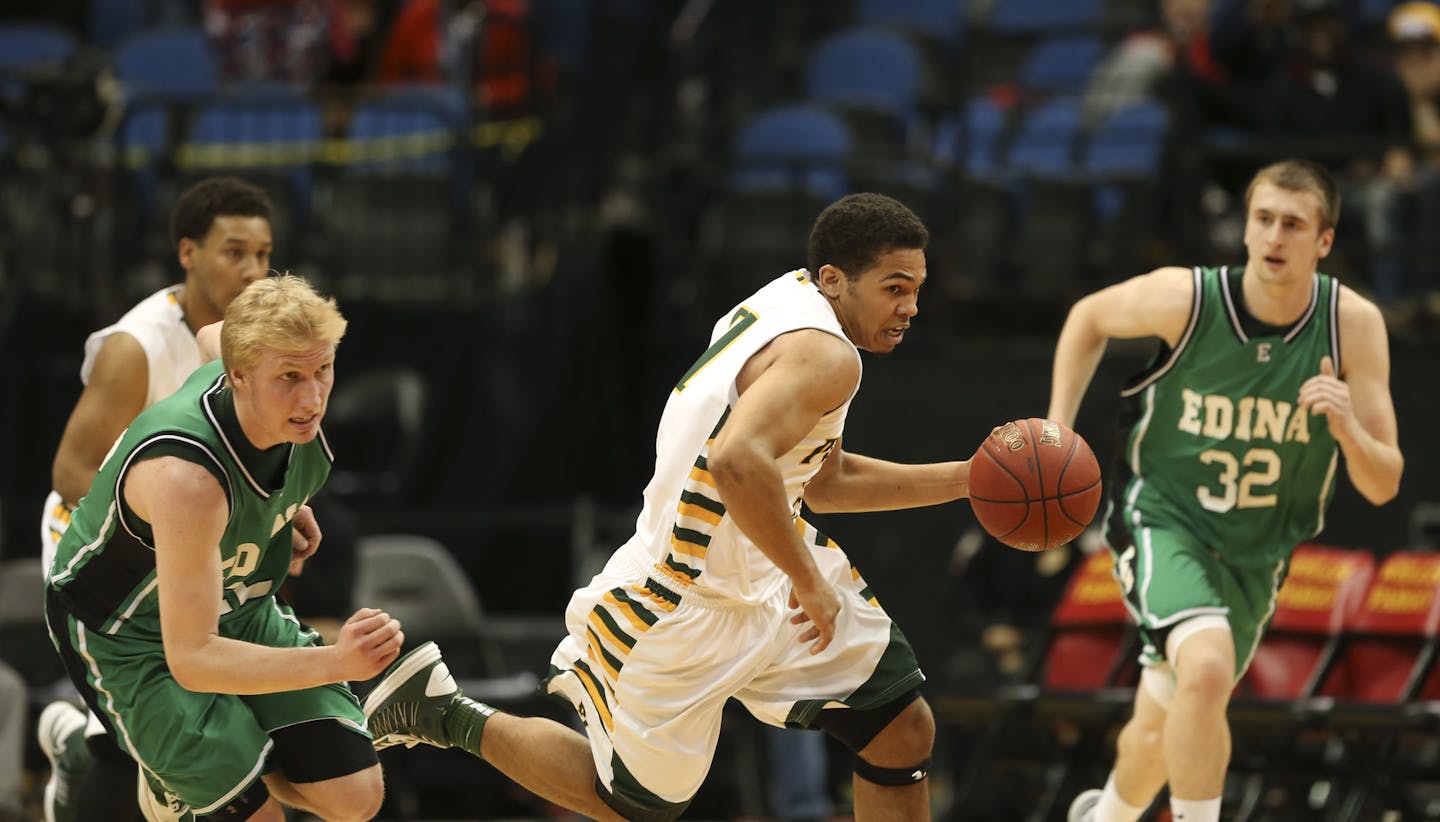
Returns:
<point x="185" y="252"/>
<point x="1327" y="239"/>
<point x="830" y="279"/>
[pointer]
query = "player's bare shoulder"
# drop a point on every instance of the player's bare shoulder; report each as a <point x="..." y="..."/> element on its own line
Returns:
<point x="1363" y="336"/>
<point x="1154" y="304"/>
<point x="1357" y="312"/>
<point x="807" y="355"/>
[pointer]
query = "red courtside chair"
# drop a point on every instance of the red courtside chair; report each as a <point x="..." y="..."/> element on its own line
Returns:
<point x="1274" y="735"/>
<point x="1080" y="684"/>
<point x="1380" y="696"/>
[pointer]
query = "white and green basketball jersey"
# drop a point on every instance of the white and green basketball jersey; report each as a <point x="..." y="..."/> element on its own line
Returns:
<point x="104" y="570"/>
<point x="1213" y="441"/>
<point x="683" y="535"/>
<point x="171" y="355"/>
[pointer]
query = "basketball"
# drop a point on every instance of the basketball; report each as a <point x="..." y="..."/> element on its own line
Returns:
<point x="1034" y="484"/>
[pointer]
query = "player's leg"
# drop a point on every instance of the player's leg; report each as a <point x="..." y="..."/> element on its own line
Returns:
<point x="651" y="732"/>
<point x="890" y="773"/>
<point x="322" y="760"/>
<point x="869" y="668"/>
<point x="326" y="767"/>
<point x="1197" y="733"/>
<point x="1139" y="770"/>
<point x="1177" y="590"/>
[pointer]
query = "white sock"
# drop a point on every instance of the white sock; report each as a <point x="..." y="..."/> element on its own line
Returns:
<point x="1195" y="810"/>
<point x="1111" y="808"/>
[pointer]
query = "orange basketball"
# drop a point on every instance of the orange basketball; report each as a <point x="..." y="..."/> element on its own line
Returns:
<point x="1034" y="484"/>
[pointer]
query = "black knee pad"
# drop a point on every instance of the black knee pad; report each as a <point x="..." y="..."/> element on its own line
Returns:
<point x="243" y="806"/>
<point x="855" y="727"/>
<point x="892" y="777"/>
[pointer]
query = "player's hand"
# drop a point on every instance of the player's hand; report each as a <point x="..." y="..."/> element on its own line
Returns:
<point x="1325" y="393"/>
<point x="305" y="536"/>
<point x="819" y="605"/>
<point x="368" y="642"/>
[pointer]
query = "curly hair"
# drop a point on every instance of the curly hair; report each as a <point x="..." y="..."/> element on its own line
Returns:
<point x="855" y="231"/>
<point x="200" y="204"/>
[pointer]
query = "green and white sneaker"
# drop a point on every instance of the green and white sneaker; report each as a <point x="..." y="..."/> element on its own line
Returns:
<point x="1083" y="808"/>
<point x="61" y="730"/>
<point x="410" y="704"/>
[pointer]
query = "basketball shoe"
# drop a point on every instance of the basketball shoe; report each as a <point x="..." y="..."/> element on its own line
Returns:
<point x="1083" y="808"/>
<point x="418" y="701"/>
<point x="61" y="730"/>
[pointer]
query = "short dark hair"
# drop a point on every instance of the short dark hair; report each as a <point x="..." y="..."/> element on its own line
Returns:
<point x="1301" y="175"/>
<point x="854" y="231"/>
<point x="197" y="208"/>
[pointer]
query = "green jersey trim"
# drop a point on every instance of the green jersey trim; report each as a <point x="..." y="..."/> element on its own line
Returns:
<point x="1234" y="314"/>
<point x="1190" y="326"/>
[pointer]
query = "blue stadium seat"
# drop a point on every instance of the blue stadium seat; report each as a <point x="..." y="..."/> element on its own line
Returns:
<point x="23" y="45"/>
<point x="942" y="20"/>
<point x="168" y="64"/>
<point x="1126" y="148"/>
<point x="972" y="140"/>
<point x="400" y="202"/>
<point x="416" y="129"/>
<point x="1129" y="143"/>
<point x="1044" y="16"/>
<point x="1045" y="141"/>
<point x="872" y="75"/>
<point x="113" y="21"/>
<point x="272" y="137"/>
<point x="793" y="146"/>
<point x="1060" y="65"/>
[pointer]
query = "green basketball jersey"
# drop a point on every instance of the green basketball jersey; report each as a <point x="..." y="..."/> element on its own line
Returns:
<point x="1213" y="442"/>
<point x="104" y="569"/>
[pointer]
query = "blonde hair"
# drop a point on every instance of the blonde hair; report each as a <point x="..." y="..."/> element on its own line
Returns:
<point x="281" y="313"/>
<point x="1302" y="175"/>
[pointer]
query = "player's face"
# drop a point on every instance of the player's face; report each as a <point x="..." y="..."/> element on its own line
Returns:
<point x="1283" y="234"/>
<point x="233" y="254"/>
<point x="282" y="397"/>
<point x="876" y="307"/>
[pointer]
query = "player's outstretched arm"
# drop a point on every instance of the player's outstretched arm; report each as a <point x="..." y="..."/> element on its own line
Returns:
<point x="1156" y="304"/>
<point x="1357" y="402"/>
<point x="114" y="395"/>
<point x="188" y="513"/>
<point x="853" y="482"/>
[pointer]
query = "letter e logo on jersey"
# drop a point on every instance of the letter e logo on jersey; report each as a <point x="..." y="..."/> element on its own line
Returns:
<point x="1262" y="352"/>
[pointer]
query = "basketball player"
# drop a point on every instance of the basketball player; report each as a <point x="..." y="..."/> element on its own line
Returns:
<point x="724" y="590"/>
<point x="1229" y="461"/>
<point x="222" y="233"/>
<point x="162" y="596"/>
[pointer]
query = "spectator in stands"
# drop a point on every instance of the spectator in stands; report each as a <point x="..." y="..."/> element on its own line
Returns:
<point x="1137" y="67"/>
<point x="1414" y="30"/>
<point x="1351" y="114"/>
<point x="485" y="44"/>
<point x="258" y="41"/>
<point x="1415" y="40"/>
<point x="1252" y="39"/>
